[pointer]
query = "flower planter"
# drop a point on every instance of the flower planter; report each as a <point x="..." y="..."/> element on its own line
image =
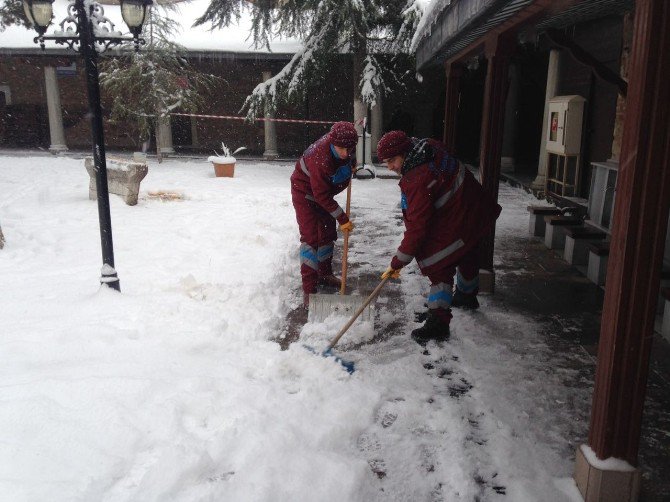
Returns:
<point x="223" y="166"/>
<point x="224" y="170"/>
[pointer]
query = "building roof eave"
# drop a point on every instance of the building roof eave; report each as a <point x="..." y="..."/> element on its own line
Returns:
<point x="454" y="23"/>
<point x="454" y="34"/>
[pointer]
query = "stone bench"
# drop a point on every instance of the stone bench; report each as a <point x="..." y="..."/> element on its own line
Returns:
<point x="537" y="224"/>
<point x="598" y="256"/>
<point x="576" y="251"/>
<point x="123" y="178"/>
<point x="554" y="236"/>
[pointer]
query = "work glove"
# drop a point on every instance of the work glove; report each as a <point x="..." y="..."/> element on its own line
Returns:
<point x="391" y="273"/>
<point x="347" y="227"/>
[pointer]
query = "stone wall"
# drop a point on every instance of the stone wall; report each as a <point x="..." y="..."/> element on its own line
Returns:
<point x="25" y="122"/>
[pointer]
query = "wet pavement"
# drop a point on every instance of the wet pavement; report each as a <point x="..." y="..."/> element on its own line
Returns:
<point x="545" y="287"/>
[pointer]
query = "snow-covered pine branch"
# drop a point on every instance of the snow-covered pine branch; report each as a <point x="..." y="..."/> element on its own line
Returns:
<point x="372" y="81"/>
<point x="150" y="84"/>
<point x="288" y="81"/>
<point x="11" y="12"/>
<point x="368" y="29"/>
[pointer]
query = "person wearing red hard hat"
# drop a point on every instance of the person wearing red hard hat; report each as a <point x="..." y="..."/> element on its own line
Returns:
<point x="446" y="213"/>
<point x="323" y="171"/>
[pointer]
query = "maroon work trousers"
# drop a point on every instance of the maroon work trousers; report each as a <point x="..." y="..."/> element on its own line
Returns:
<point x="317" y="238"/>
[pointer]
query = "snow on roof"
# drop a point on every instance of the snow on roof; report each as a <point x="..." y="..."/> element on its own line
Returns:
<point x="235" y="38"/>
<point x="431" y="11"/>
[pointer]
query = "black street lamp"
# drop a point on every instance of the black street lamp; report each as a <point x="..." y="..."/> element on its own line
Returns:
<point x="83" y="28"/>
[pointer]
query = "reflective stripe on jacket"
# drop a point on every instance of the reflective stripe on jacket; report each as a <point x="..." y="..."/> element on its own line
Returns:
<point x="319" y="176"/>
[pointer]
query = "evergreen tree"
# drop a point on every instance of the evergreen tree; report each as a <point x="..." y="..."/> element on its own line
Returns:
<point x="11" y="12"/>
<point x="150" y="84"/>
<point x="373" y="31"/>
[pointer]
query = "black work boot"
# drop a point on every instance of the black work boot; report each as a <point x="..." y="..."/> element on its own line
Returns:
<point x="464" y="300"/>
<point x="421" y="316"/>
<point x="433" y="329"/>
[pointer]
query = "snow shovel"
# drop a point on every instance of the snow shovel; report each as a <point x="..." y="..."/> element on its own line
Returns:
<point x="328" y="351"/>
<point x="323" y="305"/>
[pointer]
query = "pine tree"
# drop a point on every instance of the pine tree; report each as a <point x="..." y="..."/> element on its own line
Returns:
<point x="11" y="12"/>
<point x="373" y="31"/>
<point x="149" y="84"/>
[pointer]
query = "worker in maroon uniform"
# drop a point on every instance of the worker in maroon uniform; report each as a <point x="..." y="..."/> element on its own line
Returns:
<point x="323" y="171"/>
<point x="446" y="213"/>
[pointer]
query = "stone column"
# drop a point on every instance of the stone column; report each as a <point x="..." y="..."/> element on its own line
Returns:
<point x="551" y="91"/>
<point x="507" y="160"/>
<point x="55" y="113"/>
<point x="360" y="111"/>
<point x="270" y="128"/>
<point x="165" y="135"/>
<point x="376" y="124"/>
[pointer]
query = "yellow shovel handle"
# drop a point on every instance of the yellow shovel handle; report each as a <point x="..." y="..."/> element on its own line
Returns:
<point x="345" y="249"/>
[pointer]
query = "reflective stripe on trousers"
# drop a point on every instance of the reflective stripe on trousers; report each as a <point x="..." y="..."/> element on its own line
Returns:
<point x="465" y="285"/>
<point x="439" y="296"/>
<point x="308" y="256"/>
<point x="325" y="253"/>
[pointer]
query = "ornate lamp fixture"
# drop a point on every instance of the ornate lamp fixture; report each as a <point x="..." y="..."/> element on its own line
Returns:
<point x="83" y="28"/>
<point x="39" y="13"/>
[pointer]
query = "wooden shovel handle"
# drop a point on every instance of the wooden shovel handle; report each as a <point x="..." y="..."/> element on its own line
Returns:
<point x="345" y="250"/>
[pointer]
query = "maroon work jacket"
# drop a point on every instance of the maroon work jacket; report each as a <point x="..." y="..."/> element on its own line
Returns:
<point x="319" y="176"/>
<point x="445" y="209"/>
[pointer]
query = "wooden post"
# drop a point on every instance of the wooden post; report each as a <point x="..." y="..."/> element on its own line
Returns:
<point x="498" y="49"/>
<point x="453" y="73"/>
<point x="638" y="237"/>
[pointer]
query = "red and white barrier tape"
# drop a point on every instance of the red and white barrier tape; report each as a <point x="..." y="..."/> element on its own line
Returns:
<point x="234" y="117"/>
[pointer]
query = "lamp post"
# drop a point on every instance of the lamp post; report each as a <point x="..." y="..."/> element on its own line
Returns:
<point x="88" y="31"/>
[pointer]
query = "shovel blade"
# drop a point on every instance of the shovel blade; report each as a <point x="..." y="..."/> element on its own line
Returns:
<point x="322" y="306"/>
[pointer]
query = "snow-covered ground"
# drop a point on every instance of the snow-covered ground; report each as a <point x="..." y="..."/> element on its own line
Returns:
<point x="176" y="390"/>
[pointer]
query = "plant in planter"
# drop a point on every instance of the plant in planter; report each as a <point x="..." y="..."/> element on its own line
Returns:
<point x="224" y="165"/>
